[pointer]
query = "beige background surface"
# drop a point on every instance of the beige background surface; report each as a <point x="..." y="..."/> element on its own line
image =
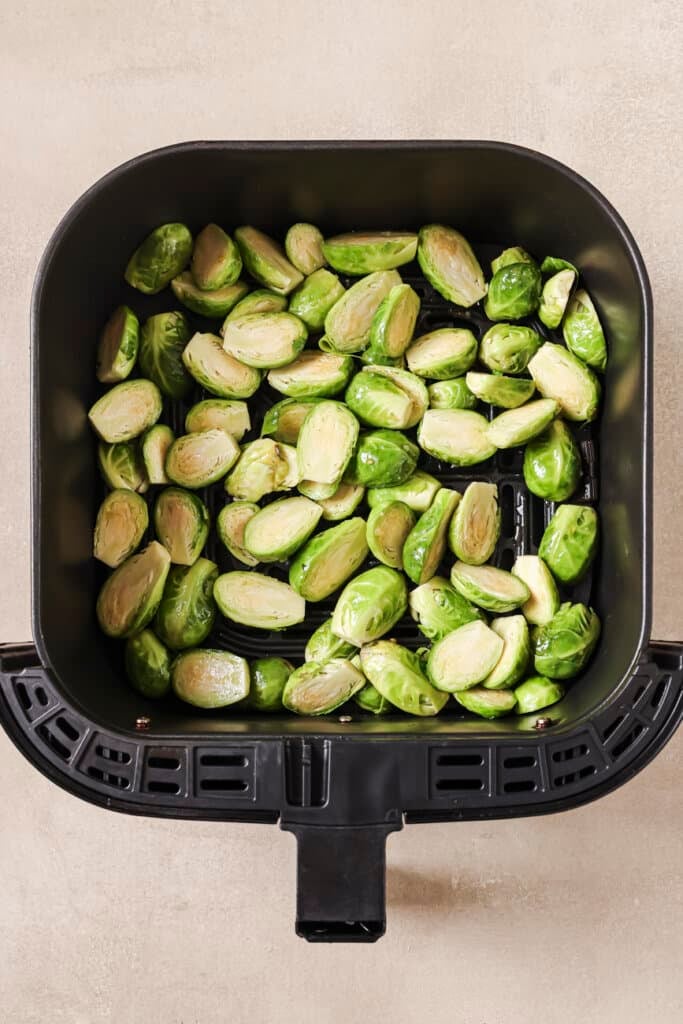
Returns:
<point x="106" y="918"/>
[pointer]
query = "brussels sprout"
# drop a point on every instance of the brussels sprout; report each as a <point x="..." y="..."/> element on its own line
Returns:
<point x="120" y="526"/>
<point x="342" y="503"/>
<point x="517" y="426"/>
<point x="187" y="611"/>
<point x="221" y="414"/>
<point x="514" y="661"/>
<point x="268" y="679"/>
<point x="553" y="265"/>
<point x="319" y="687"/>
<point x="313" y="374"/>
<point x="475" y="527"/>
<point x="458" y="436"/>
<point x="507" y="348"/>
<point x="383" y="458"/>
<point x="387" y="529"/>
<point x="369" y="606"/>
<point x="552" y="463"/>
<point x="487" y="703"/>
<point x="438" y="608"/>
<point x="148" y="664"/>
<point x="328" y="559"/>
<point x="216" y="261"/>
<point x="363" y="252"/>
<point x="181" y="522"/>
<point x="464" y="657"/>
<point x="417" y="492"/>
<point x="489" y="588"/>
<point x="442" y="354"/>
<point x="210" y="679"/>
<point x="278" y="530"/>
<point x="514" y="292"/>
<point x="449" y="264"/>
<point x="425" y="545"/>
<point x="130" y="597"/>
<point x="304" y="248"/>
<point x="283" y="420"/>
<point x="372" y="357"/>
<point x="230" y="526"/>
<point x="162" y="255"/>
<point x="263" y="467"/>
<point x="410" y="384"/>
<point x="126" y="410"/>
<point x="582" y="331"/>
<point x="326" y="442"/>
<point x="121" y="466"/>
<point x="258" y="301"/>
<point x="507" y="392"/>
<point x="393" y="324"/>
<point x="370" y="699"/>
<point x="266" y="262"/>
<point x="210" y="304"/>
<point x="348" y="323"/>
<point x="563" y="646"/>
<point x="315" y="297"/>
<point x="379" y="401"/>
<point x="560" y="375"/>
<point x="154" y="446"/>
<point x="162" y="341"/>
<point x="323" y="645"/>
<point x="118" y="347"/>
<point x="515" y="254"/>
<point x="569" y="542"/>
<point x="544" y="600"/>
<point x="451" y="394"/>
<point x="397" y="674"/>
<point x="315" y="491"/>
<point x="554" y="298"/>
<point x="265" y="340"/>
<point x="217" y="371"/>
<point x="199" y="459"/>
<point x="537" y="693"/>
<point x="253" y="599"/>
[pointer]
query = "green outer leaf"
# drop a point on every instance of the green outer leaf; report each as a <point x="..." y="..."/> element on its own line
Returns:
<point x="451" y="394"/>
<point x="553" y="264"/>
<point x="563" y="646"/>
<point x="370" y="699"/>
<point x="187" y="611"/>
<point x="259" y="301"/>
<point x="383" y="458"/>
<point x="148" y="665"/>
<point x="582" y="331"/>
<point x="370" y="605"/>
<point x="397" y="673"/>
<point x="379" y="402"/>
<point x="212" y="304"/>
<point x="323" y="644"/>
<point x="417" y="492"/>
<point x="181" y="522"/>
<point x="537" y="693"/>
<point x="162" y="255"/>
<point x="507" y="392"/>
<point x="507" y="348"/>
<point x="268" y="679"/>
<point x="425" y="545"/>
<point x="515" y="254"/>
<point x="315" y="297"/>
<point x="514" y="292"/>
<point x="121" y="465"/>
<point x="262" y="468"/>
<point x="570" y="542"/>
<point x="438" y="608"/>
<point x="162" y="341"/>
<point x="552" y="463"/>
<point x="283" y="420"/>
<point x="328" y="559"/>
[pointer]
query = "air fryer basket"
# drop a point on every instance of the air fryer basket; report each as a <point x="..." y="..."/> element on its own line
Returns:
<point x="341" y="783"/>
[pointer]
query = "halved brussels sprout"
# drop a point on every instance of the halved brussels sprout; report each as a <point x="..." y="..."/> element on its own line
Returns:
<point x="387" y="529"/>
<point x="283" y="420"/>
<point x="372" y="357"/>
<point x="475" y="527"/>
<point x="187" y="611"/>
<point x="265" y="340"/>
<point x="544" y="600"/>
<point x="258" y="301"/>
<point x="393" y="324"/>
<point x="162" y="255"/>
<point x="536" y="693"/>
<point x="379" y="401"/>
<point x="121" y="466"/>
<point x="417" y="492"/>
<point x="323" y="645"/>
<point x="451" y="394"/>
<point x="369" y="606"/>
<point x="425" y="545"/>
<point x="582" y="331"/>
<point x="148" y="665"/>
<point x="438" y="608"/>
<point x="154" y="445"/>
<point x="552" y="463"/>
<point x="230" y="525"/>
<point x="253" y="599"/>
<point x="315" y="491"/>
<point x="408" y="382"/>
<point x="216" y="261"/>
<point x="493" y="589"/>
<point x="221" y="414"/>
<point x="370" y="699"/>
<point x="517" y="426"/>
<point x="120" y="526"/>
<point x="515" y="254"/>
<point x="304" y="248"/>
<point x="553" y="265"/>
<point x="217" y="371"/>
<point x="363" y="252"/>
<point x="319" y="687"/>
<point x="214" y="304"/>
<point x="326" y="442"/>
<point x="507" y="348"/>
<point x="118" y="347"/>
<point x="181" y="522"/>
<point x="507" y="392"/>
<point x="397" y="674"/>
<point x="348" y="323"/>
<point x="279" y="529"/>
<point x="268" y="679"/>
<point x="126" y="410"/>
<point x="442" y="354"/>
<point x="563" y="646"/>
<point x="328" y="559"/>
<point x="266" y="261"/>
<point x="570" y="541"/>
<point x="554" y="298"/>
<point x="560" y="375"/>
<point x="514" y="292"/>
<point x="130" y="597"/>
<point x="162" y="341"/>
<point x="199" y="459"/>
<point x="342" y="503"/>
<point x="487" y="703"/>
<point x="449" y="264"/>
<point x="514" y="661"/>
<point x="263" y="467"/>
<point x="315" y="297"/>
<point x="313" y="374"/>
<point x="208" y="678"/>
<point x="464" y="657"/>
<point x="383" y="458"/>
<point x="458" y="436"/>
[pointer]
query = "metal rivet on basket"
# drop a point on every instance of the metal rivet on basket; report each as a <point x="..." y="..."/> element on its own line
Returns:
<point x="143" y="722"/>
<point x="345" y="718"/>
<point x="542" y="723"/>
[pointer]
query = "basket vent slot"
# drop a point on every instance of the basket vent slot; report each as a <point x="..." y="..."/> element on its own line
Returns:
<point x="109" y="762"/>
<point x="570" y="763"/>
<point x="165" y="771"/>
<point x="627" y="741"/>
<point x="464" y="773"/>
<point x="224" y="772"/>
<point x="61" y="735"/>
<point x="610" y="729"/>
<point x="519" y="770"/>
<point x="33" y="698"/>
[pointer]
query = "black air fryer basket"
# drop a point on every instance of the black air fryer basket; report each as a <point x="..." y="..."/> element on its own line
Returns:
<point x="340" y="783"/>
